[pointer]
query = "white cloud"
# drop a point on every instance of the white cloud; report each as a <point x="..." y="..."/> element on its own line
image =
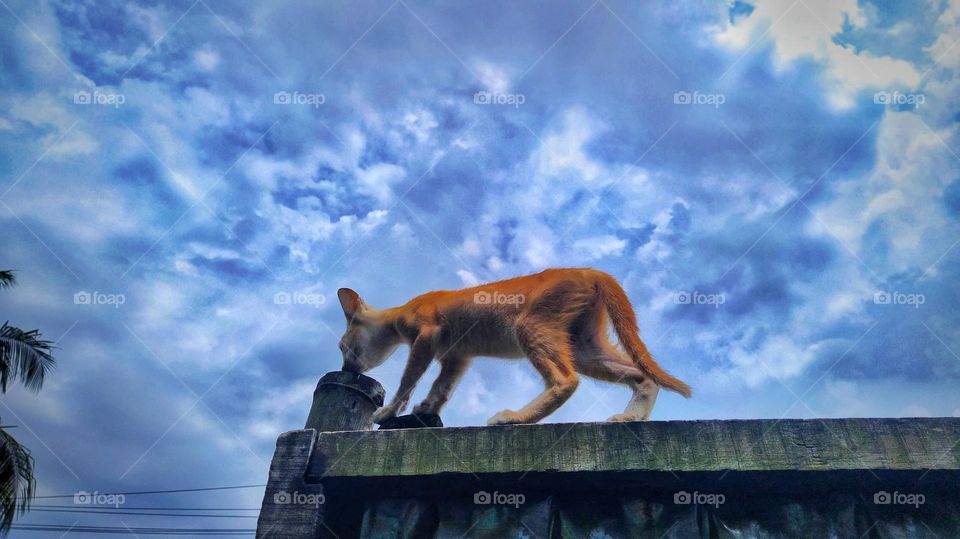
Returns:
<point x="402" y="233"/>
<point x="537" y="246"/>
<point x="68" y="138"/>
<point x="468" y="278"/>
<point x="309" y="232"/>
<point x="212" y="252"/>
<point x="944" y="50"/>
<point x="483" y="392"/>
<point x="378" y="180"/>
<point x="810" y="29"/>
<point x="186" y="268"/>
<point x="493" y="77"/>
<point x="280" y="409"/>
<point x="268" y="171"/>
<point x="902" y="192"/>
<point x="475" y="397"/>
<point x="41" y="47"/>
<point x="420" y="123"/>
<point x="154" y="22"/>
<point x="86" y="214"/>
<point x="562" y="151"/>
<point x="779" y="358"/>
<point x="206" y="59"/>
<point x="845" y="398"/>
<point x="541" y="189"/>
<point x="600" y="246"/>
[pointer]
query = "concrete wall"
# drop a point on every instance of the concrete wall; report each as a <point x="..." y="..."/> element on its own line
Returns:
<point x="758" y="478"/>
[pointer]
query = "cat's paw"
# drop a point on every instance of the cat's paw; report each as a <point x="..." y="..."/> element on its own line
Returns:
<point x="505" y="417"/>
<point x="425" y="408"/>
<point x="383" y="413"/>
<point x="623" y="417"/>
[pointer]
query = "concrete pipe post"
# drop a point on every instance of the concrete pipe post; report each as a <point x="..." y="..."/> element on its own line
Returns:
<point x="292" y="507"/>
<point x="344" y="401"/>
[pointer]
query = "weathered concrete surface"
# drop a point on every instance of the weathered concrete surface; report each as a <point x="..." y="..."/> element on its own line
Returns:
<point x="777" y="479"/>
<point x="280" y="517"/>
<point x="344" y="401"/>
<point x="291" y="506"/>
<point x="666" y="446"/>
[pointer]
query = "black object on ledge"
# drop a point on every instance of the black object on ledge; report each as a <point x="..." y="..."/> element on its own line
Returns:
<point x="412" y="421"/>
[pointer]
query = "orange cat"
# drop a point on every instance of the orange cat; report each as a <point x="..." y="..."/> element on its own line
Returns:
<point x="556" y="318"/>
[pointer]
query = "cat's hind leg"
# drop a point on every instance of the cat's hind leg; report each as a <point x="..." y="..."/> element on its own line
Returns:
<point x="551" y="354"/>
<point x="641" y="404"/>
<point x="599" y="359"/>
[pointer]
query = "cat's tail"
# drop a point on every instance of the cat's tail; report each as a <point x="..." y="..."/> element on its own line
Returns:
<point x="624" y="322"/>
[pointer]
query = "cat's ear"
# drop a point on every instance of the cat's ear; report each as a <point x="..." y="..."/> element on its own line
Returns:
<point x="350" y="301"/>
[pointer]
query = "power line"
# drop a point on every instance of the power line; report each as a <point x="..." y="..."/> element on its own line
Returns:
<point x="141" y="508"/>
<point x="112" y="512"/>
<point x="172" y="491"/>
<point x="133" y="531"/>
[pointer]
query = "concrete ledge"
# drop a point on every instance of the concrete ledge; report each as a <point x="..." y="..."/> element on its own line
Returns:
<point x="906" y="444"/>
<point x="279" y="518"/>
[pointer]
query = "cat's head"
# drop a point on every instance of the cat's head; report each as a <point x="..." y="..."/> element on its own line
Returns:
<point x="369" y="340"/>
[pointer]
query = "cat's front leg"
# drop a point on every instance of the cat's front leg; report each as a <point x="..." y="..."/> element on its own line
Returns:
<point x="452" y="369"/>
<point x="394" y="408"/>
<point x="421" y="354"/>
<point x="384" y="413"/>
<point x="506" y="417"/>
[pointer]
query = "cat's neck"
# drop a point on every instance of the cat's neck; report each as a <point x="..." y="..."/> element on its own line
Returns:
<point x="397" y="318"/>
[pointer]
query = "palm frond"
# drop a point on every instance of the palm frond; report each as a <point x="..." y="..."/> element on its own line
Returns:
<point x="16" y="480"/>
<point x="7" y="279"/>
<point x="24" y="357"/>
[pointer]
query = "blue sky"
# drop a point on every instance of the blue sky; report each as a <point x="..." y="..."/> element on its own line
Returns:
<point x="790" y="166"/>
